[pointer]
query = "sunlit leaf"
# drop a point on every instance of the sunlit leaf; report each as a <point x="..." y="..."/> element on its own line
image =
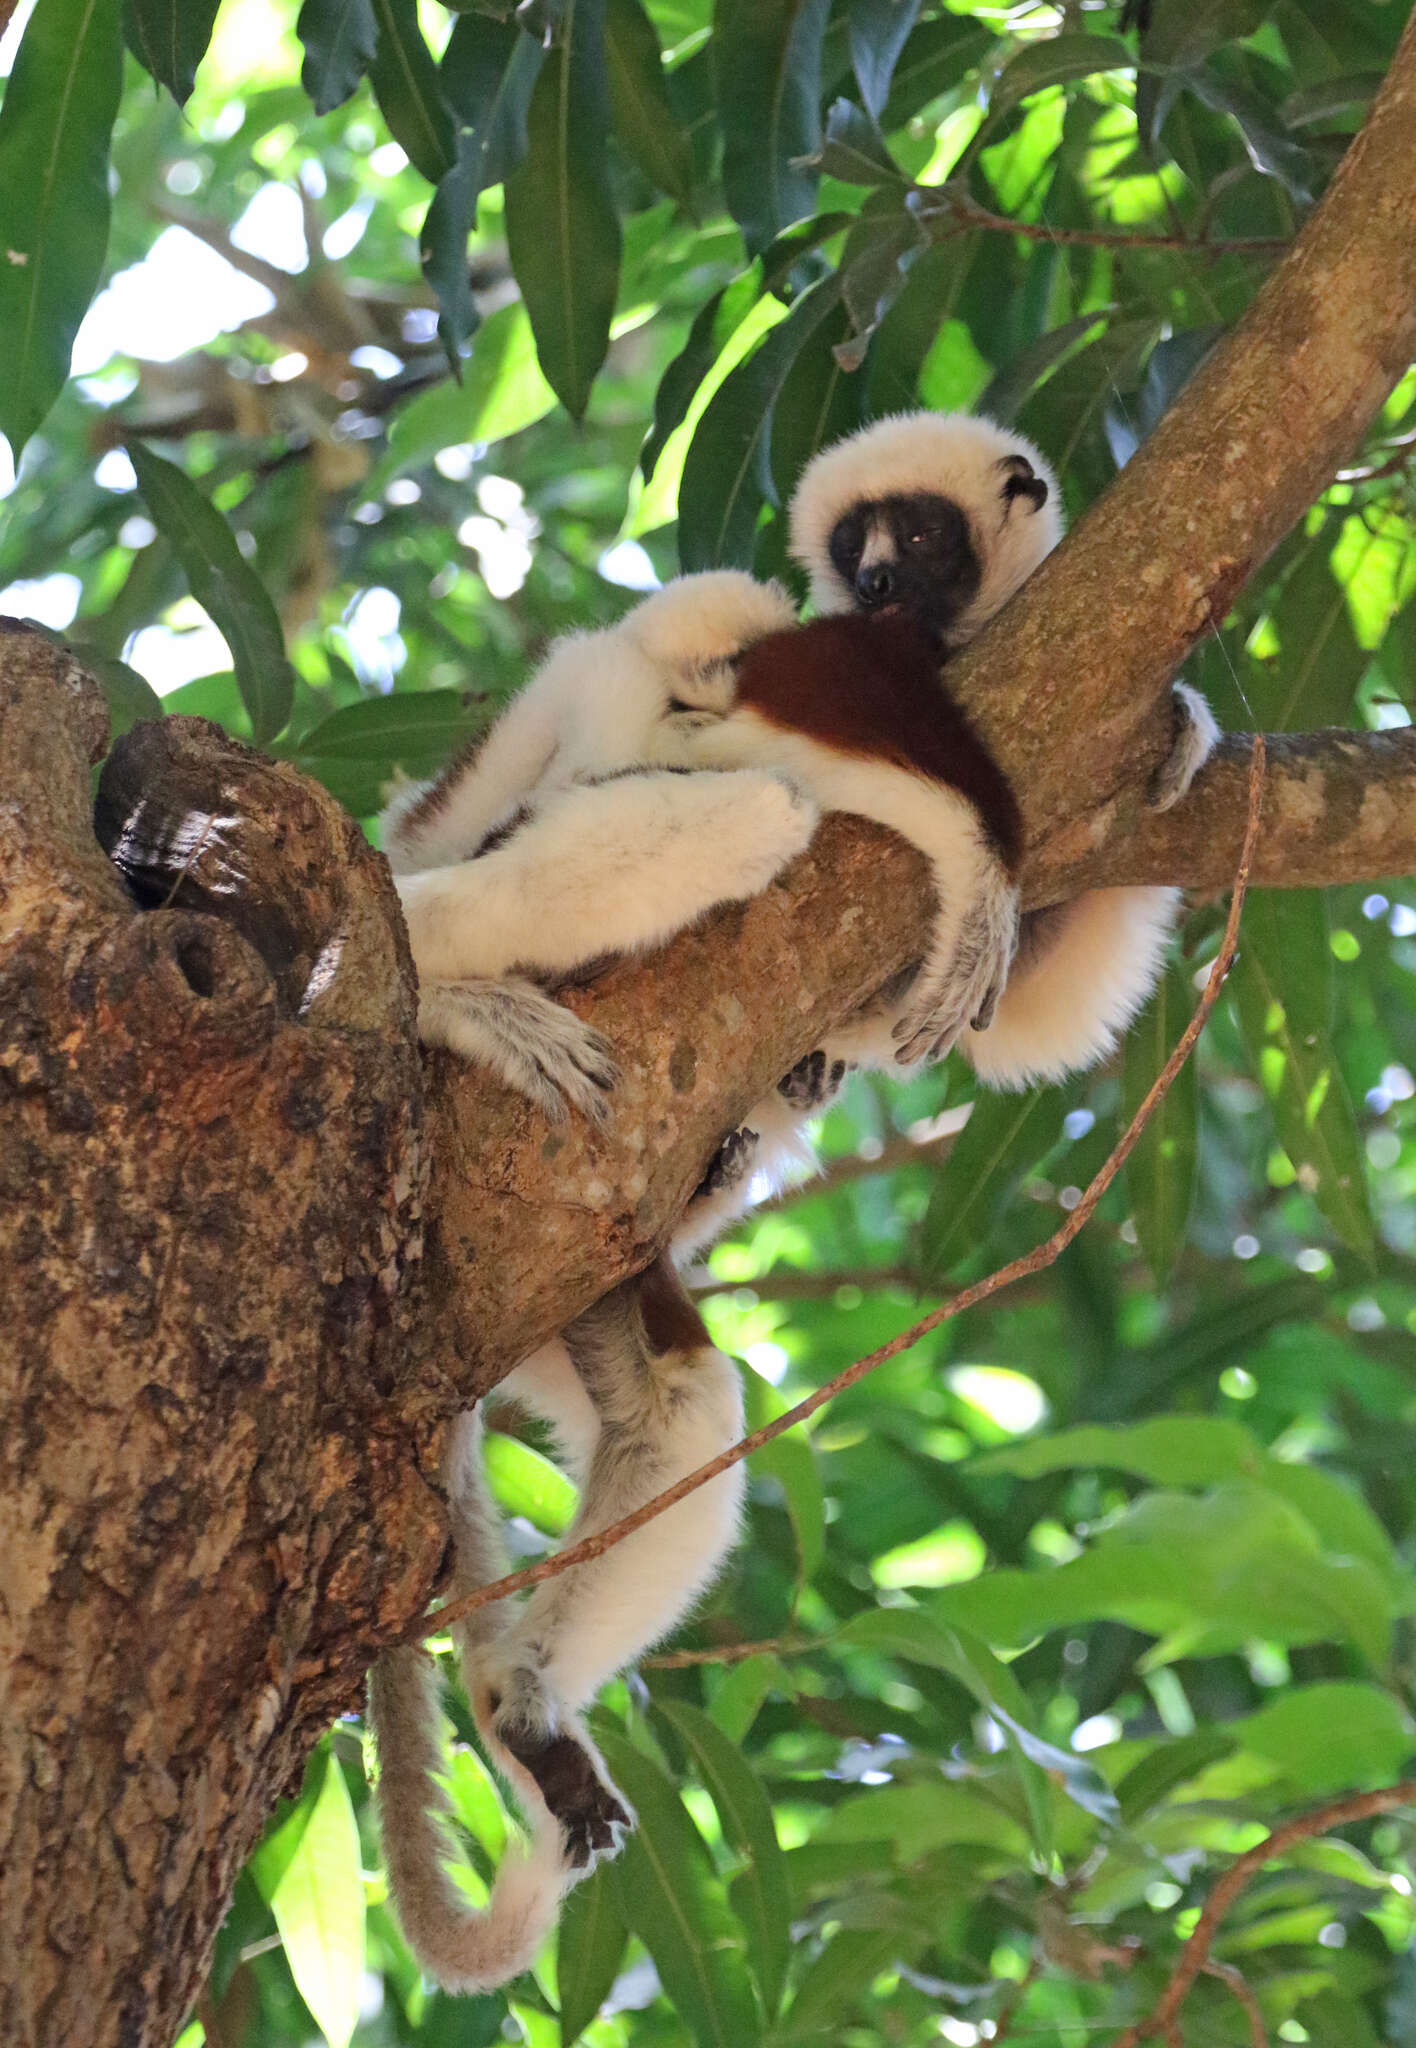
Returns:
<point x="1056" y="60"/>
<point x="671" y="1897"/>
<point x="318" y="1903"/>
<point x="727" y="475"/>
<point x="843" y="1971"/>
<point x="170" y="38"/>
<point x="525" y="1483"/>
<point x="224" y="582"/>
<point x="502" y="391"/>
<point x="746" y="1816"/>
<point x="55" y="123"/>
<point x="738" y="1700"/>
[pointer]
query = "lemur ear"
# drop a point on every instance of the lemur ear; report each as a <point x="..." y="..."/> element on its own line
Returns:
<point x="1021" y="480"/>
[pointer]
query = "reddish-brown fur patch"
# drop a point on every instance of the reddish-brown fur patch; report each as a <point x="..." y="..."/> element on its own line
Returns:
<point x="671" y="1322"/>
<point x="872" y="687"/>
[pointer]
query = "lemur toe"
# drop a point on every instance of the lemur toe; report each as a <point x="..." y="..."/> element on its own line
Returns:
<point x="813" y="1082"/>
<point x="731" y="1163"/>
<point x="1195" y="732"/>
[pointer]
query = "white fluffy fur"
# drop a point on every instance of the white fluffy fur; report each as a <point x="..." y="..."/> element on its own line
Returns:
<point x="953" y="454"/>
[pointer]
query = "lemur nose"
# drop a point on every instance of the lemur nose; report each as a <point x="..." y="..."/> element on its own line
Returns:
<point x="875" y="581"/>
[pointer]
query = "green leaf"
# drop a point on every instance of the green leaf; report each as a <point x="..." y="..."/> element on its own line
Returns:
<point x="1331" y="1737"/>
<point x="643" y="113"/>
<point x="318" y="1903"/>
<point x="525" y="1483"/>
<point x="837" y="1978"/>
<point x="340" y="38"/>
<point x="1213" y="1573"/>
<point x="1270" y="152"/>
<point x="1184" y="31"/>
<point x="879" y="31"/>
<point x="488" y="73"/>
<point x="1162" y="1171"/>
<point x="222" y="581"/>
<point x="55" y="123"/>
<point x="1321" y="665"/>
<point x="1195" y="1451"/>
<point x="1283" y="990"/>
<point x="791" y="1461"/>
<point x="502" y="391"/>
<point x="356" y="751"/>
<point x="672" y="1899"/>
<point x="405" y="82"/>
<point x="853" y="149"/>
<point x="1006" y="1138"/>
<point x="939" y="56"/>
<point x="589" y="1953"/>
<point x="1150" y="1782"/>
<point x="767" y="62"/>
<point x="169" y="38"/>
<point x="727" y="474"/>
<point x="746" y="1816"/>
<point x="562" y="228"/>
<point x="131" y="697"/>
<point x="1056" y="60"/>
<point x="738" y="1700"/>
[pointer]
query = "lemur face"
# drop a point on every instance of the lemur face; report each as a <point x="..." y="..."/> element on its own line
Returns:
<point x="907" y="553"/>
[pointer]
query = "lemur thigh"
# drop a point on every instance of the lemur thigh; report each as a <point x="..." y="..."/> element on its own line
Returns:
<point x="464" y="1949"/>
<point x="667" y="1402"/>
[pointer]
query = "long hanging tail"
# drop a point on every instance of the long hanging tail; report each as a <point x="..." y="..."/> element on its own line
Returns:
<point x="463" y="1948"/>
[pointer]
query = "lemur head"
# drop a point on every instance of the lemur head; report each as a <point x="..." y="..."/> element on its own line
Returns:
<point x="939" y="516"/>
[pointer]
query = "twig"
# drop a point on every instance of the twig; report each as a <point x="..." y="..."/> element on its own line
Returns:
<point x="1195" y="1955"/>
<point x="786" y="1283"/>
<point x="1032" y="1262"/>
<point x="732" y="1653"/>
<point x="965" y="213"/>
<point x="1239" y="1985"/>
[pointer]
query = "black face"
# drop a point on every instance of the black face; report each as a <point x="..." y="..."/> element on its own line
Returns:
<point x="908" y="554"/>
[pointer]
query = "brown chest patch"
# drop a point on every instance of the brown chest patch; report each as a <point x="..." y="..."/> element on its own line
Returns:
<point x="872" y="687"/>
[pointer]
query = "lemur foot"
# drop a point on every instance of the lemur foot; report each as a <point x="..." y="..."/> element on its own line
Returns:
<point x="813" y="1082"/>
<point x="731" y="1163"/>
<point x="965" y="989"/>
<point x="563" y="1765"/>
<point x="1195" y="732"/>
<point x="534" y="1045"/>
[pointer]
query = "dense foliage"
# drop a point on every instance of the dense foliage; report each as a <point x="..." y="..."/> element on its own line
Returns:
<point x="1075" y="1599"/>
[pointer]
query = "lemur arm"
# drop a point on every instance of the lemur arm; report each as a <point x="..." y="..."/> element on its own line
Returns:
<point x="430" y="824"/>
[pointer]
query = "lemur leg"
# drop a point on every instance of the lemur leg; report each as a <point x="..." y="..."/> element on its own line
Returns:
<point x="618" y="867"/>
<point x="1195" y="732"/>
<point x="667" y="1403"/>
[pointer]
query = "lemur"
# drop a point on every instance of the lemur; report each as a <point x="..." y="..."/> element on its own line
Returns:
<point x="929" y="524"/>
<point x="914" y="516"/>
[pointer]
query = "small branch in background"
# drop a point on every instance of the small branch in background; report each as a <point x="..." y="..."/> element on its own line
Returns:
<point x="731" y="1653"/>
<point x="1195" y="1956"/>
<point x="785" y="1283"/>
<point x="1008" y="2011"/>
<point x="953" y="212"/>
<point x="1032" y="1262"/>
<point x="1239" y="1985"/>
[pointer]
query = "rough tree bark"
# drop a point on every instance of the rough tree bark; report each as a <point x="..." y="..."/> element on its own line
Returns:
<point x="252" y="1255"/>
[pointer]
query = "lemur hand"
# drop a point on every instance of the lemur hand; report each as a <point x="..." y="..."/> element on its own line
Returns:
<point x="534" y="1045"/>
<point x="963" y="984"/>
<point x="1193" y="740"/>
